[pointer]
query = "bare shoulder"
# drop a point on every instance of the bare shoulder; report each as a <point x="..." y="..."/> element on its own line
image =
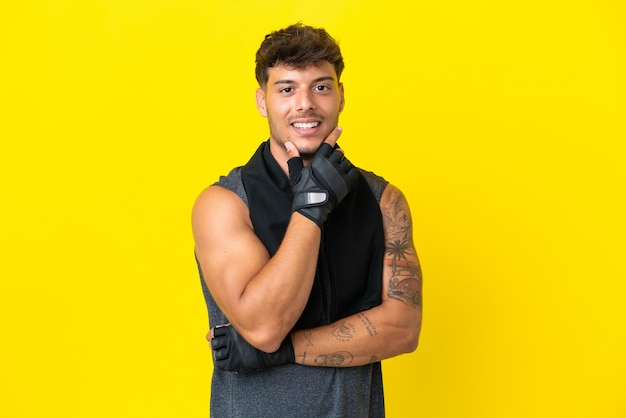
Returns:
<point x="220" y="223"/>
<point x="216" y="197"/>
<point x="394" y="207"/>
<point x="217" y="206"/>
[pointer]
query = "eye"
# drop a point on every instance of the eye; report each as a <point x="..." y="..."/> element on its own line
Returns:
<point x="321" y="88"/>
<point x="286" y="90"/>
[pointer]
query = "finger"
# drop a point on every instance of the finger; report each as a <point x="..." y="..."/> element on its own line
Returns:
<point x="292" y="151"/>
<point x="220" y="329"/>
<point x="345" y="165"/>
<point x="336" y="156"/>
<point x="325" y="150"/>
<point x="294" y="165"/>
<point x="217" y="343"/>
<point x="210" y="334"/>
<point x="221" y="354"/>
<point x="333" y="136"/>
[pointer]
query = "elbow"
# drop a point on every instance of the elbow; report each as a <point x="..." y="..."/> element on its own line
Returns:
<point x="266" y="340"/>
<point x="269" y="346"/>
<point x="264" y="334"/>
<point x="405" y="329"/>
<point x="410" y="340"/>
<point x="411" y="336"/>
<point x="413" y="343"/>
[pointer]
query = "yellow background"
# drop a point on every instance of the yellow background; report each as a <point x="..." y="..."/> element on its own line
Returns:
<point x="503" y="123"/>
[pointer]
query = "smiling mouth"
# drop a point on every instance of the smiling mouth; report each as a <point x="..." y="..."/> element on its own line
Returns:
<point x="307" y="125"/>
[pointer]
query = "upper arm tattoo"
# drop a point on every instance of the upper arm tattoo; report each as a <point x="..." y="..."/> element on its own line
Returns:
<point x="405" y="283"/>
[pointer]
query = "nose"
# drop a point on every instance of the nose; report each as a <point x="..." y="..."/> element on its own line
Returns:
<point x="304" y="101"/>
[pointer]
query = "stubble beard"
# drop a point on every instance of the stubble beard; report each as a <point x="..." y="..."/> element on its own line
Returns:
<point x="305" y="153"/>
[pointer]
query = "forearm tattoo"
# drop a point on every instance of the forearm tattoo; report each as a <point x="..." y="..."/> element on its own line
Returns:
<point x="309" y="341"/>
<point x="405" y="283"/>
<point x="343" y="332"/>
<point x="339" y="358"/>
<point x="369" y="326"/>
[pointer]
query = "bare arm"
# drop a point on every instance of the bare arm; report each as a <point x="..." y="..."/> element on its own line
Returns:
<point x="262" y="297"/>
<point x="386" y="330"/>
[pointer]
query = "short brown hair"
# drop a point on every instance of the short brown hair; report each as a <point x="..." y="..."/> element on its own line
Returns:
<point x="298" y="46"/>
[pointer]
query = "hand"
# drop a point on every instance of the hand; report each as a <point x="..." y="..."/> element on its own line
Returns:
<point x="320" y="186"/>
<point x="231" y="352"/>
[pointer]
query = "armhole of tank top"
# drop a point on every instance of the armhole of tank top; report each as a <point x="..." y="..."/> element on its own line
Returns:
<point x="377" y="184"/>
<point x="234" y="183"/>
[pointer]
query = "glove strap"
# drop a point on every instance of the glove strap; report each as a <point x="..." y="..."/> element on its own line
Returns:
<point x="308" y="199"/>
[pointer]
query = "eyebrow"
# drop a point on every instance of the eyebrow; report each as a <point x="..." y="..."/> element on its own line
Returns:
<point x="317" y="80"/>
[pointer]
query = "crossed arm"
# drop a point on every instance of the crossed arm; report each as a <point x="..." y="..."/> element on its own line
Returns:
<point x="262" y="297"/>
<point x="386" y="330"/>
<point x="264" y="300"/>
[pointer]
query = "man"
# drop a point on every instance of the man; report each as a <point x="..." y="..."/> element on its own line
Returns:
<point x="308" y="265"/>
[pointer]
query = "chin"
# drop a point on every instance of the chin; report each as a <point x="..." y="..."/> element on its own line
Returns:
<point x="307" y="156"/>
<point x="308" y="152"/>
<point x="310" y="147"/>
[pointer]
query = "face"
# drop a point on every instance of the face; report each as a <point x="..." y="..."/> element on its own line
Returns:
<point x="302" y="106"/>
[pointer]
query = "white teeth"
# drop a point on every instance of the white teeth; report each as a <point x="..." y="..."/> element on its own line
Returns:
<point x="307" y="125"/>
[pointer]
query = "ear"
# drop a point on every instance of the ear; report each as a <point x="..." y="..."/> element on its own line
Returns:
<point x="260" y="102"/>
<point x="342" y="98"/>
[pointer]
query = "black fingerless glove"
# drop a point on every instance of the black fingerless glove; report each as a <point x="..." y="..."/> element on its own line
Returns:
<point x="320" y="186"/>
<point x="232" y="353"/>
